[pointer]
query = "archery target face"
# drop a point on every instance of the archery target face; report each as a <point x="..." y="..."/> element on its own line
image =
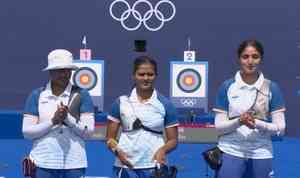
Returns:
<point x="89" y="76"/>
<point x="189" y="79"/>
<point x="85" y="78"/>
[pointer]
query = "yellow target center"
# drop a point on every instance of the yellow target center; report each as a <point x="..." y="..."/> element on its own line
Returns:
<point x="84" y="79"/>
<point x="188" y="80"/>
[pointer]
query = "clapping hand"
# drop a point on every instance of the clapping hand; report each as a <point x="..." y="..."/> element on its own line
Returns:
<point x="248" y="120"/>
<point x="60" y="114"/>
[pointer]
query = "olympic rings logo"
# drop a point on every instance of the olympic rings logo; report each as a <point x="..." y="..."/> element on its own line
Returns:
<point x="142" y="18"/>
<point x="188" y="102"/>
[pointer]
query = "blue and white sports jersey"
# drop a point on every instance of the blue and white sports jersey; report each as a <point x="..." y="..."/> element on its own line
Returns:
<point x="235" y="97"/>
<point x="157" y="114"/>
<point x="61" y="147"/>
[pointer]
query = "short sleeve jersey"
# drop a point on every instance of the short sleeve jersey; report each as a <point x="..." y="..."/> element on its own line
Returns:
<point x="157" y="113"/>
<point x="236" y="97"/>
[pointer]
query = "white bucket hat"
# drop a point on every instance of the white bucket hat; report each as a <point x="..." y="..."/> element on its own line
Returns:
<point x="60" y="59"/>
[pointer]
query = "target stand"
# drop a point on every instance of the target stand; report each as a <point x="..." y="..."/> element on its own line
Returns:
<point x="90" y="76"/>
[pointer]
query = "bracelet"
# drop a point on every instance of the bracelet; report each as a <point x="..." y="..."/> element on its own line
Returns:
<point x="113" y="143"/>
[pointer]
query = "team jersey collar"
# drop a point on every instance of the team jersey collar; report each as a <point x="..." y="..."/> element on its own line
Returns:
<point x="66" y="93"/>
<point x="134" y="98"/>
<point x="242" y="84"/>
